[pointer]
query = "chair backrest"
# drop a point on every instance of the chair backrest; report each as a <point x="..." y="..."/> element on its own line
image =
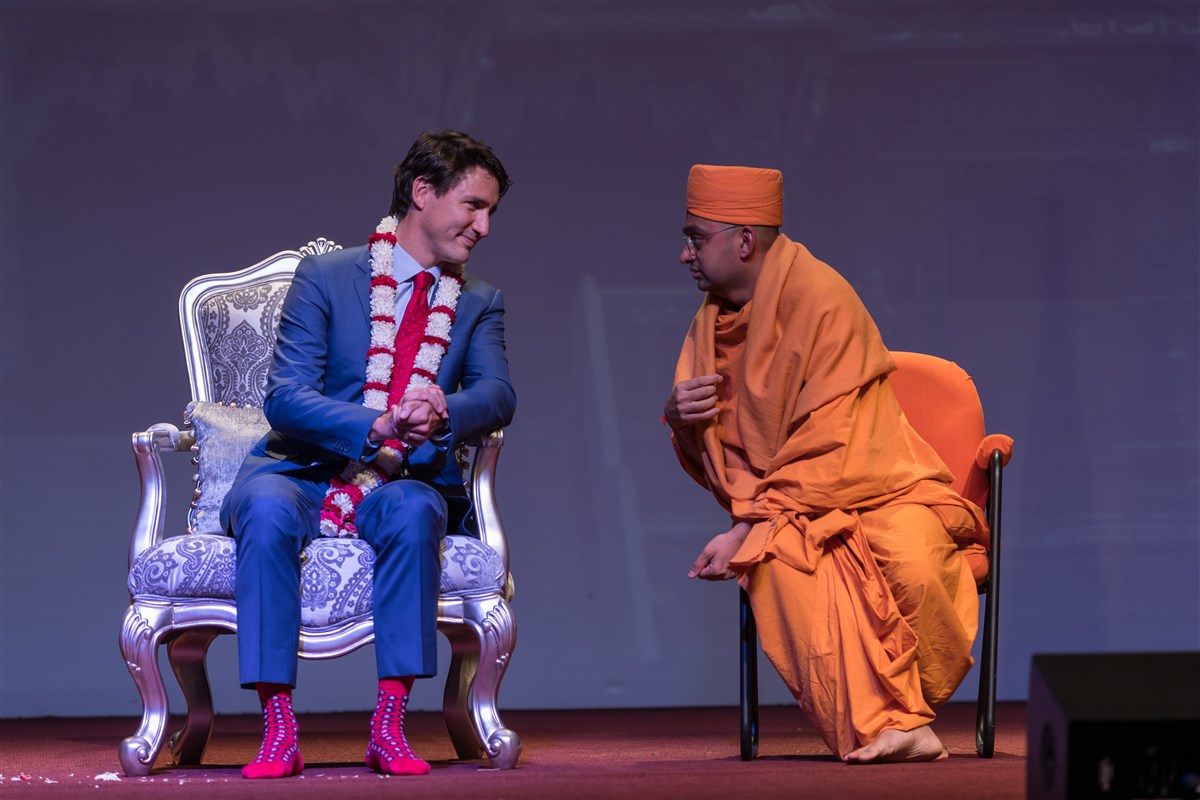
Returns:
<point x="941" y="403"/>
<point x="228" y="322"/>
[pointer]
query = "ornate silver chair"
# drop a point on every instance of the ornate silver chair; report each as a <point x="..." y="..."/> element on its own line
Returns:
<point x="181" y="587"/>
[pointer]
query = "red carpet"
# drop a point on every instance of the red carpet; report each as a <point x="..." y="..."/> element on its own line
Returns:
<point x="568" y="755"/>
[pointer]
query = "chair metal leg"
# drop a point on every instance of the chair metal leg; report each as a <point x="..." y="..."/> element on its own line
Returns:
<point x="141" y="632"/>
<point x="481" y="647"/>
<point x="749" y="664"/>
<point x="186" y="653"/>
<point x="985" y="720"/>
<point x="464" y="664"/>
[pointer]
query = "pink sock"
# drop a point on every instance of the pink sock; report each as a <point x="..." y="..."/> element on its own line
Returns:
<point x="279" y="756"/>
<point x="388" y="750"/>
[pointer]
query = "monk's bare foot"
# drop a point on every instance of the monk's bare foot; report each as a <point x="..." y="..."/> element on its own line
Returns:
<point x="921" y="744"/>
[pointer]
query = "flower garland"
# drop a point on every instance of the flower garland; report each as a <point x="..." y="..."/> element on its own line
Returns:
<point x="359" y="478"/>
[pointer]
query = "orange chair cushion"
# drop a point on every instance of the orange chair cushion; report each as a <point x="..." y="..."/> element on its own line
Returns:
<point x="941" y="403"/>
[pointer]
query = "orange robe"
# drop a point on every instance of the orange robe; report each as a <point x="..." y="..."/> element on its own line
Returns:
<point x="854" y="563"/>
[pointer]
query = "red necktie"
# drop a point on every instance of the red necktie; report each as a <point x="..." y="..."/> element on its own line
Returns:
<point x="409" y="333"/>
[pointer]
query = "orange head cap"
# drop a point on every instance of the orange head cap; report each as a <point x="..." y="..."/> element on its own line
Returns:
<point x="738" y="195"/>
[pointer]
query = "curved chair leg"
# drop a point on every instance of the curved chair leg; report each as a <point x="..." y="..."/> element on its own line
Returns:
<point x="186" y="653"/>
<point x="749" y="663"/>
<point x="464" y="663"/>
<point x="481" y="646"/>
<point x="141" y="632"/>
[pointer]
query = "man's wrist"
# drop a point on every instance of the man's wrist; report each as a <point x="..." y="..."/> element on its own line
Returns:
<point x="441" y="438"/>
<point x="370" y="450"/>
<point x="380" y="430"/>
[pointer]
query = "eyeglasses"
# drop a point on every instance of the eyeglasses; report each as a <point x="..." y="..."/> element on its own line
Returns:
<point x="694" y="243"/>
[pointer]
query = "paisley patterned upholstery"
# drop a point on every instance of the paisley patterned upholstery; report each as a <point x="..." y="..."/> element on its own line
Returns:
<point x="238" y="330"/>
<point x="192" y="566"/>
<point x="335" y="575"/>
<point x="224" y="435"/>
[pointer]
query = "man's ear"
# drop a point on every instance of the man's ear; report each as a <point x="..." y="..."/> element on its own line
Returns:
<point x="422" y="190"/>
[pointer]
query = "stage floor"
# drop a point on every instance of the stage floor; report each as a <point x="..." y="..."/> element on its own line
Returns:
<point x="568" y="755"/>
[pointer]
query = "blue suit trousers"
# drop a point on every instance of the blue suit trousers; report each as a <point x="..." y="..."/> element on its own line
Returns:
<point x="273" y="516"/>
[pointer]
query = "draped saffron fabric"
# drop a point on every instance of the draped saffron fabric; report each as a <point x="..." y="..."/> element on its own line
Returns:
<point x="818" y="429"/>
<point x="811" y="447"/>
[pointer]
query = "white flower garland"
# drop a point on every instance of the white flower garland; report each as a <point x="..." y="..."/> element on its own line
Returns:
<point x="359" y="478"/>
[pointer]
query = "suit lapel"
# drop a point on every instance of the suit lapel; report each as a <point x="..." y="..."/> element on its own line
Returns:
<point x="362" y="281"/>
<point x="465" y="312"/>
<point x="465" y="316"/>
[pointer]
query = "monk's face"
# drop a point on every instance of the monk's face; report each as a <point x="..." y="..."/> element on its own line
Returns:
<point x="711" y="252"/>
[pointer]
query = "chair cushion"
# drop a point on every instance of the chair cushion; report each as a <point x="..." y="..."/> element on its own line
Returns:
<point x="335" y="576"/>
<point x="193" y="566"/>
<point x="224" y="435"/>
<point x="941" y="403"/>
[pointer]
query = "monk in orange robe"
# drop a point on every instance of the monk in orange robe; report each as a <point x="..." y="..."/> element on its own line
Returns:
<point x="844" y="528"/>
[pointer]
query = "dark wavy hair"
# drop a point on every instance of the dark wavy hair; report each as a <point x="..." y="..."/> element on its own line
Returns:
<point x="442" y="159"/>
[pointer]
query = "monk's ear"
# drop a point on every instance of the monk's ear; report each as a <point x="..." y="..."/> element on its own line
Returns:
<point x="747" y="240"/>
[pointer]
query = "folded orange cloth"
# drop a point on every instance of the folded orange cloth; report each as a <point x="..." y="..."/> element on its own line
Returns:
<point x="738" y="195"/>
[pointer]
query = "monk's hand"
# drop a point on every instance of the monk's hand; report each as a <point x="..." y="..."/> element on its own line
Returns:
<point x="691" y="401"/>
<point x="713" y="562"/>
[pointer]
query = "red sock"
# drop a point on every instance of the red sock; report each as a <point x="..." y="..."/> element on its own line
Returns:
<point x="279" y="756"/>
<point x="388" y="751"/>
<point x="268" y="690"/>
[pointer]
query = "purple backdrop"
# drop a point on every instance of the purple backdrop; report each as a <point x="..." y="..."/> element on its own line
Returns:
<point x="1009" y="185"/>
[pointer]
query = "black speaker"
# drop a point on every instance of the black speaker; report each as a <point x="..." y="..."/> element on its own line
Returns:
<point x="1114" y="725"/>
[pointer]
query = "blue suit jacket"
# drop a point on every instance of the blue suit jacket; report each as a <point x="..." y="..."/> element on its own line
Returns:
<point x="315" y="385"/>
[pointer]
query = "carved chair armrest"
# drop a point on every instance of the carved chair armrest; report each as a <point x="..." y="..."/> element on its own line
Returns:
<point x="483" y="493"/>
<point x="148" y="445"/>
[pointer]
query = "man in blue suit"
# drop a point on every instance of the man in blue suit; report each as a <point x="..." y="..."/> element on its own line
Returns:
<point x="387" y="356"/>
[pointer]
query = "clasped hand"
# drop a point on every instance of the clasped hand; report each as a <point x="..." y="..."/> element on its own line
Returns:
<point x="692" y="400"/>
<point x="418" y="415"/>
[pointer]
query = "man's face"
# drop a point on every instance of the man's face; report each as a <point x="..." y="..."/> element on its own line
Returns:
<point x="710" y="251"/>
<point x="455" y="222"/>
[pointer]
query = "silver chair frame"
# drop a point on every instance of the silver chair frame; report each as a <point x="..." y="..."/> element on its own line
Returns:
<point x="480" y="627"/>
